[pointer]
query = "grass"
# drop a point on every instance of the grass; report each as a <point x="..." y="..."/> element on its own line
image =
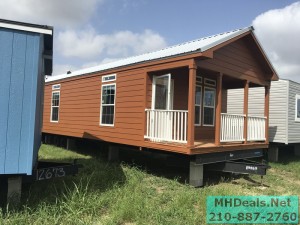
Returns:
<point x="144" y="192"/>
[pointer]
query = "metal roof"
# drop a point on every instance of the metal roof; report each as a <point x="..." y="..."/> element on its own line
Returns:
<point x="199" y="45"/>
<point x="43" y="29"/>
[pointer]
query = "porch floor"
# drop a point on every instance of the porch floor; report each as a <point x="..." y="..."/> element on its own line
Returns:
<point x="205" y="146"/>
<point x="211" y="143"/>
<point x="208" y="145"/>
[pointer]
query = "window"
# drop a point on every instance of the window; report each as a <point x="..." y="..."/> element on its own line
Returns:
<point x="209" y="106"/>
<point x="209" y="82"/>
<point x="108" y="78"/>
<point x="198" y="101"/>
<point x="297" y="107"/>
<point x="198" y="79"/>
<point x="55" y="87"/>
<point x="55" y="106"/>
<point x="108" y="104"/>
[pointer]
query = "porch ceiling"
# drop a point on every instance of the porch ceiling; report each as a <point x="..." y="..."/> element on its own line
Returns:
<point x="229" y="82"/>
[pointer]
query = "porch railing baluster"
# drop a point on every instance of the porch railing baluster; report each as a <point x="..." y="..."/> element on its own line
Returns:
<point x="166" y="125"/>
<point x="232" y="127"/>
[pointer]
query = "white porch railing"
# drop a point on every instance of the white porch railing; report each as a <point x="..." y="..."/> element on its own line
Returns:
<point x="256" y="128"/>
<point x="232" y="127"/>
<point x="166" y="125"/>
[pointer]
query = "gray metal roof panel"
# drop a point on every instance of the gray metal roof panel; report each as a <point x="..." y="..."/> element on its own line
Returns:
<point x="199" y="45"/>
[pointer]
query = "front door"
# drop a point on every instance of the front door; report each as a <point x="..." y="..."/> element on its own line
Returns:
<point x="162" y="95"/>
<point x="162" y="105"/>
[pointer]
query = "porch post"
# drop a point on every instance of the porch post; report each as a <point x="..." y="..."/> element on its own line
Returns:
<point x="218" y="109"/>
<point x="191" y="104"/>
<point x="246" y="93"/>
<point x="267" y="108"/>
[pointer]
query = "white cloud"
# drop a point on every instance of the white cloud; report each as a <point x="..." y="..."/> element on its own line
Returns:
<point x="279" y="32"/>
<point x="59" y="13"/>
<point x="88" y="44"/>
<point x="85" y="44"/>
<point x="74" y="47"/>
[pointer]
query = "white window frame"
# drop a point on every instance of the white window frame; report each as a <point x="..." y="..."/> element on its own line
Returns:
<point x="199" y="79"/>
<point x="103" y="124"/>
<point x="54" y="121"/>
<point x="297" y="97"/>
<point x="210" y="80"/>
<point x="214" y="107"/>
<point x="199" y="105"/>
<point x="110" y="75"/>
<point x="55" y="87"/>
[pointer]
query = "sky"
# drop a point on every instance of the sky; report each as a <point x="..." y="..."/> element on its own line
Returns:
<point x="91" y="32"/>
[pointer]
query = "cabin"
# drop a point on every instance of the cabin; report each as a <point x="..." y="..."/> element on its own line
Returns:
<point x="25" y="57"/>
<point x="171" y="100"/>
<point x="284" y="122"/>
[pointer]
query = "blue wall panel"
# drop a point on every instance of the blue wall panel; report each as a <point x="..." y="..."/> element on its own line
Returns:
<point x="6" y="43"/>
<point x="39" y="108"/>
<point x="21" y="88"/>
<point x="29" y="103"/>
<point x="15" y="103"/>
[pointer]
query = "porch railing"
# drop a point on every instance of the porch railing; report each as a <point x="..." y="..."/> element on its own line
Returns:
<point x="256" y="128"/>
<point x="232" y="127"/>
<point x="166" y="125"/>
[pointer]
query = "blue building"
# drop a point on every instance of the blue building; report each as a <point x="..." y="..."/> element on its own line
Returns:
<point x="25" y="57"/>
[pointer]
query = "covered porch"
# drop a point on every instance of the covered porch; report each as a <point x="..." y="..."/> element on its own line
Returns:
<point x="188" y="106"/>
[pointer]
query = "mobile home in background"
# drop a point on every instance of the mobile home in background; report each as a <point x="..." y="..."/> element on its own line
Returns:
<point x="284" y="127"/>
<point x="171" y="100"/>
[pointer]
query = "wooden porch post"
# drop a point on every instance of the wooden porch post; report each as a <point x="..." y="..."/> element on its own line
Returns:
<point x="267" y="108"/>
<point x="246" y="93"/>
<point x="218" y="109"/>
<point x="191" y="104"/>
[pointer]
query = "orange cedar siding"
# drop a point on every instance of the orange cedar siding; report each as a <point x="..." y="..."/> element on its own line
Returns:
<point x="181" y="90"/>
<point x="80" y="116"/>
<point x="95" y="130"/>
<point x="148" y="91"/>
<point x="204" y="133"/>
<point x="88" y="122"/>
<point x="236" y="60"/>
<point x="101" y="136"/>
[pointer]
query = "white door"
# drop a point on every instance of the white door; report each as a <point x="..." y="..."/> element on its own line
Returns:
<point x="162" y="100"/>
<point x="162" y="92"/>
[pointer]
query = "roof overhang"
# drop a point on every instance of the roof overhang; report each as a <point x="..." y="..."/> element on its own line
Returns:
<point x="269" y="63"/>
<point x="47" y="34"/>
<point x="42" y="29"/>
<point x="209" y="50"/>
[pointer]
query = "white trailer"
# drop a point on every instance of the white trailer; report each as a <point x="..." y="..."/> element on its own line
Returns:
<point x="284" y="123"/>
